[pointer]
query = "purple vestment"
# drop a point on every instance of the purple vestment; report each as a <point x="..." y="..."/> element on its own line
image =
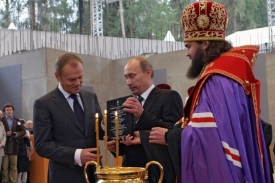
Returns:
<point x="219" y="145"/>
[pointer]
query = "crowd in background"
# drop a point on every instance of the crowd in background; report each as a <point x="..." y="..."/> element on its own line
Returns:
<point x="15" y="147"/>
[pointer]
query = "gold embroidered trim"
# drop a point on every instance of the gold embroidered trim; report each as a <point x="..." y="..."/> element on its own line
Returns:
<point x="237" y="55"/>
<point x="204" y="21"/>
<point x="253" y="47"/>
<point x="204" y="39"/>
<point x="219" y="17"/>
<point x="249" y="47"/>
<point x="253" y="61"/>
<point x="204" y="35"/>
<point x="239" y="80"/>
<point x="188" y="18"/>
<point x="197" y="98"/>
<point x="254" y="98"/>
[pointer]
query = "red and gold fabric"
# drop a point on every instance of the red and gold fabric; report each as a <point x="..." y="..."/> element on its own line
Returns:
<point x="204" y="21"/>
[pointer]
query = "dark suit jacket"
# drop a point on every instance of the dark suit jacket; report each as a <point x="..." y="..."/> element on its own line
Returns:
<point x="267" y="131"/>
<point x="162" y="108"/>
<point x="12" y="144"/>
<point x="58" y="134"/>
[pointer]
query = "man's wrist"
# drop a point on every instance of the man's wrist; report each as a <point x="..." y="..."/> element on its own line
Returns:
<point x="77" y="158"/>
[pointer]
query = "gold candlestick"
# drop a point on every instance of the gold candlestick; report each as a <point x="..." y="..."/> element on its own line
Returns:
<point x="117" y="147"/>
<point x="105" y="138"/>
<point x="97" y="141"/>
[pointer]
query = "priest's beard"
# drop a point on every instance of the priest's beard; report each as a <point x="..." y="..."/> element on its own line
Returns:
<point x="197" y="65"/>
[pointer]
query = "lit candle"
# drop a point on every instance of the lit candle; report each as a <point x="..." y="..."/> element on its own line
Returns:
<point x="97" y="140"/>
<point x="117" y="148"/>
<point x="105" y="137"/>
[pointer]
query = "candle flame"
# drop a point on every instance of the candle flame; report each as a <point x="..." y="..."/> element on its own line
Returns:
<point x="105" y="111"/>
<point x="116" y="113"/>
<point x="96" y="115"/>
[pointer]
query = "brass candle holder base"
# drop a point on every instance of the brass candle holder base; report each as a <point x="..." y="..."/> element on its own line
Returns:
<point x="122" y="174"/>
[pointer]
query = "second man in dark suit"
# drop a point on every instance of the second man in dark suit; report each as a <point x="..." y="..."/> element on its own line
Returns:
<point x="64" y="123"/>
<point x="267" y="131"/>
<point x="155" y="108"/>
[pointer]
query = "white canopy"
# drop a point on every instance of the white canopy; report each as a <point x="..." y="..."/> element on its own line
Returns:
<point x="169" y="36"/>
<point x="12" y="26"/>
<point x="257" y="36"/>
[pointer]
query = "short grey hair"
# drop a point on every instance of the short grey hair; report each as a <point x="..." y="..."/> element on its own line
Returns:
<point x="144" y="64"/>
<point x="62" y="60"/>
<point x="29" y="121"/>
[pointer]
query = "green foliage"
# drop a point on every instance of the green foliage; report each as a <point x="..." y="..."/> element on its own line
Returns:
<point x="150" y="19"/>
<point x="261" y="14"/>
<point x="248" y="14"/>
<point x="5" y="15"/>
<point x="142" y="18"/>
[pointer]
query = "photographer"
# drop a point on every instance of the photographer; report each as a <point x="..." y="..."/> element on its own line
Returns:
<point x="14" y="131"/>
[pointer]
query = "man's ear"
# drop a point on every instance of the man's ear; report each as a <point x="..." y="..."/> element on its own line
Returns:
<point x="205" y="44"/>
<point x="57" y="76"/>
<point x="149" y="72"/>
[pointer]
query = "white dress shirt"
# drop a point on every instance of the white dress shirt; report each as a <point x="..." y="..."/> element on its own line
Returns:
<point x="145" y="94"/>
<point x="71" y="103"/>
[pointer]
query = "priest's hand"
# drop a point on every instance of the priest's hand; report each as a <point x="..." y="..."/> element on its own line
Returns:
<point x="131" y="140"/>
<point x="132" y="105"/>
<point x="157" y="135"/>
<point x="111" y="146"/>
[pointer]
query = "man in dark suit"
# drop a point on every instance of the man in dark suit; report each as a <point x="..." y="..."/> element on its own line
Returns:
<point x="157" y="108"/>
<point x="267" y="131"/>
<point x="64" y="124"/>
<point x="14" y="131"/>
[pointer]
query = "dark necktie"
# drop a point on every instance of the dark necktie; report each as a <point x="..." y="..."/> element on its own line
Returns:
<point x="140" y="99"/>
<point x="78" y="111"/>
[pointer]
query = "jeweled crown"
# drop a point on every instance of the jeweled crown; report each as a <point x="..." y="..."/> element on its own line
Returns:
<point x="204" y="21"/>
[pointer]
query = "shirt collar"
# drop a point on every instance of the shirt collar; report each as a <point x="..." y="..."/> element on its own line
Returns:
<point x="66" y="94"/>
<point x="7" y="117"/>
<point x="147" y="92"/>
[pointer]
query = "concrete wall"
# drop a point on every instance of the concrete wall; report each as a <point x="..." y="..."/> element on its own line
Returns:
<point x="107" y="79"/>
<point x="11" y="87"/>
<point x="108" y="82"/>
<point x="104" y="75"/>
<point x="34" y="78"/>
<point x="261" y="73"/>
<point x="270" y="77"/>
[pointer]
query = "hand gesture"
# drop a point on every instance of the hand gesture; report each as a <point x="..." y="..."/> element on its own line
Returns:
<point x="132" y="105"/>
<point x="157" y="135"/>
<point x="131" y="140"/>
<point x="9" y="133"/>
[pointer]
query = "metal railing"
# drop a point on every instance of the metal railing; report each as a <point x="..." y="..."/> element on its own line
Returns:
<point x="17" y="41"/>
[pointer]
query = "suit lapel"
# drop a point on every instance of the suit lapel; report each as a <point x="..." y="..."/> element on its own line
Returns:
<point x="64" y="106"/>
<point x="14" y="124"/>
<point x="152" y="97"/>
